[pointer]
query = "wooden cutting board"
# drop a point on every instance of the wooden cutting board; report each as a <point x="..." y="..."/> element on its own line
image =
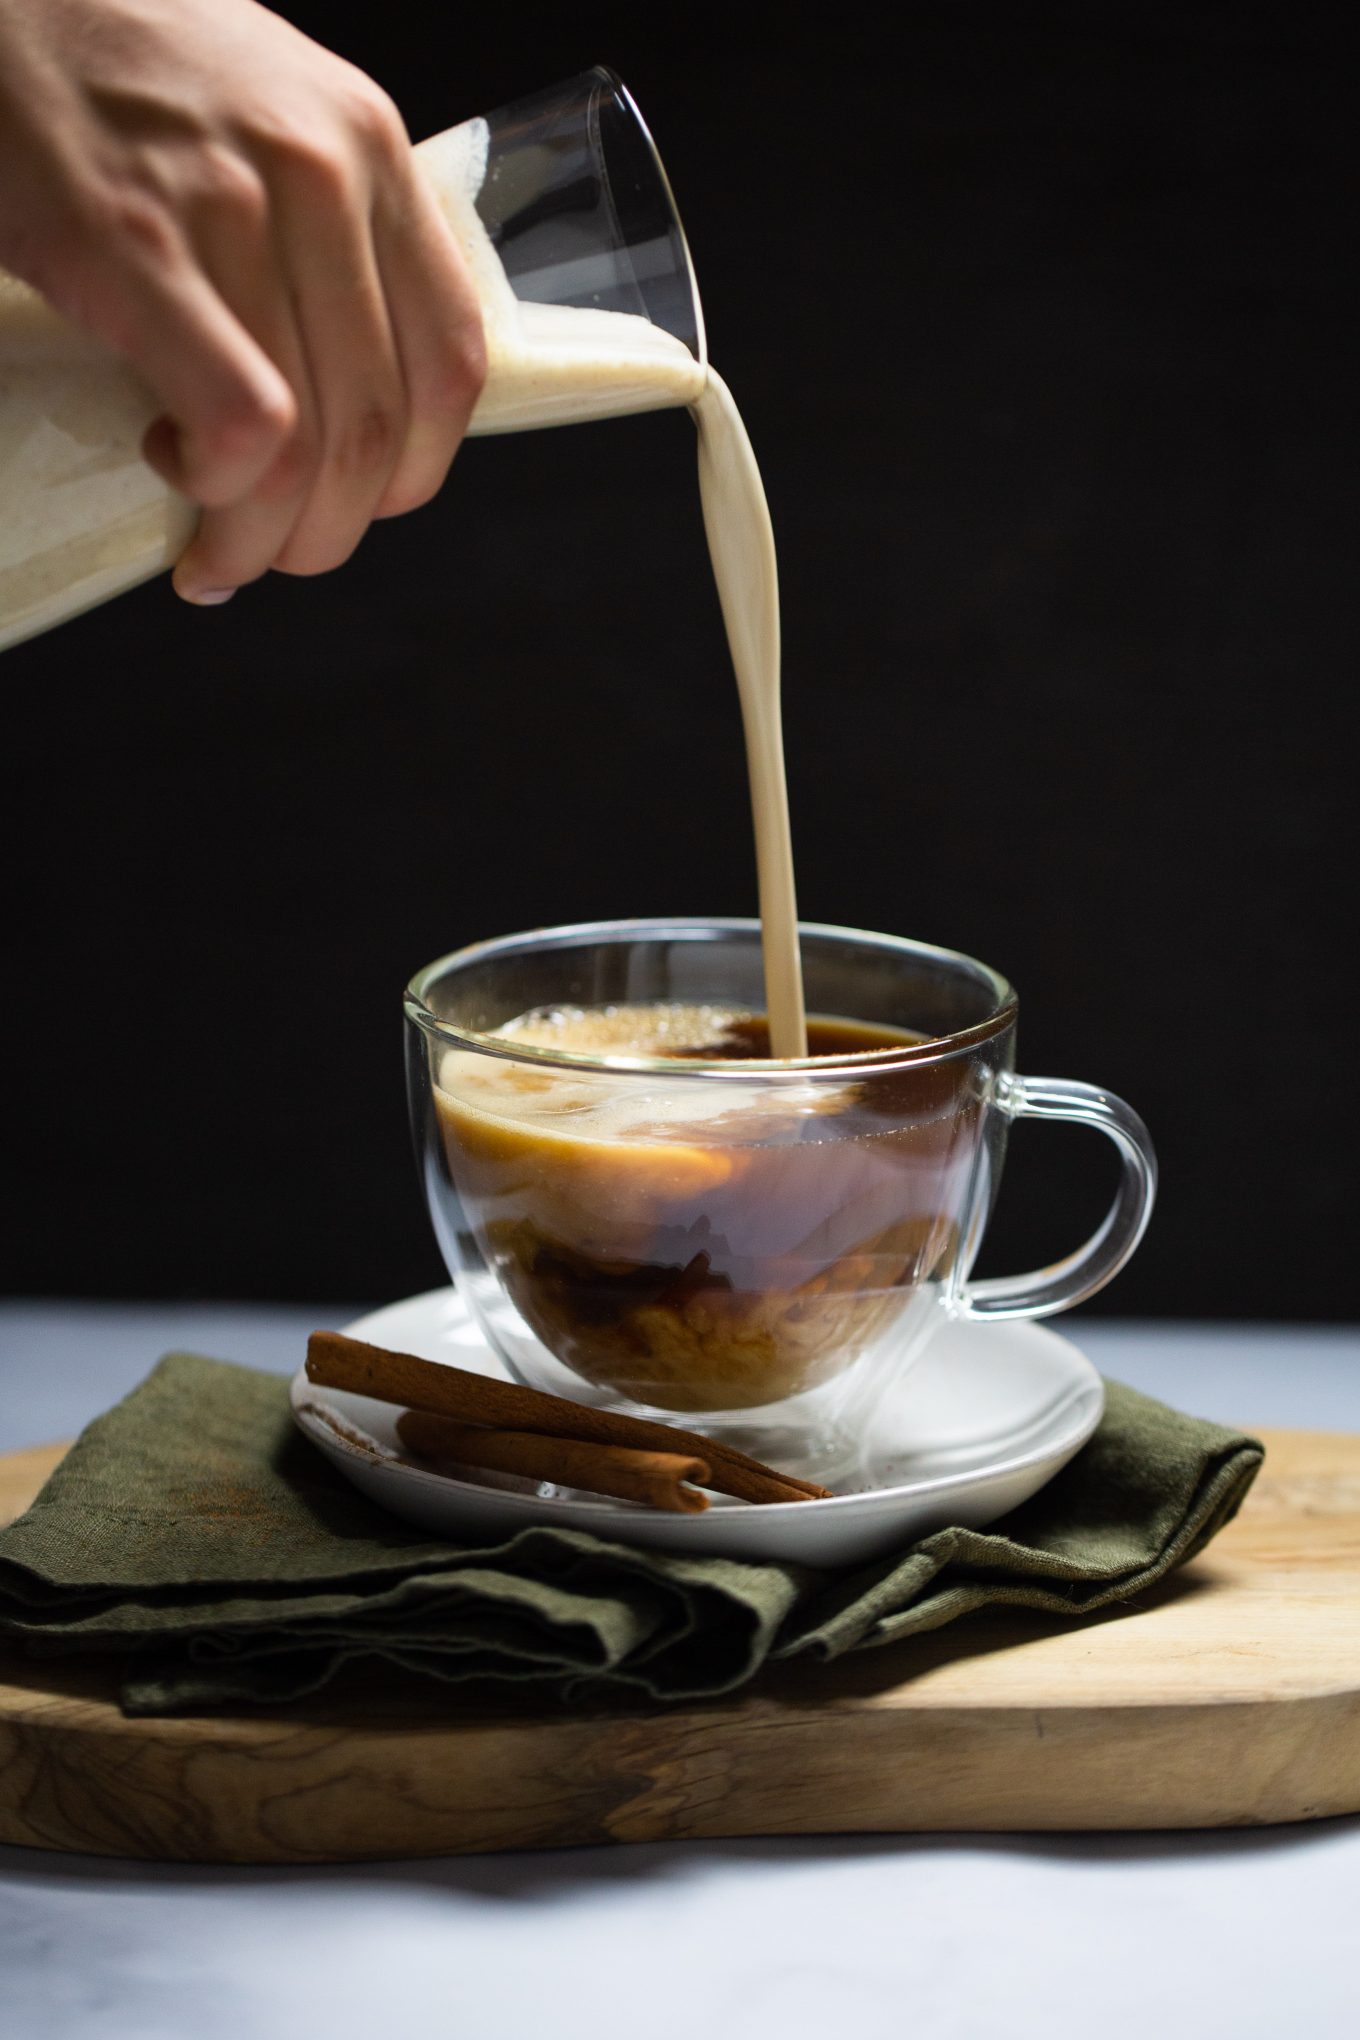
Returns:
<point x="1228" y="1696"/>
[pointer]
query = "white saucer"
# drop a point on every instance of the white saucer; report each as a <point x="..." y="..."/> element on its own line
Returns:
<point x="980" y="1422"/>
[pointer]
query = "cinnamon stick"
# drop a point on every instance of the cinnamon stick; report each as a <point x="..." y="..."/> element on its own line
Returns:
<point x="656" y="1478"/>
<point x="335" y="1361"/>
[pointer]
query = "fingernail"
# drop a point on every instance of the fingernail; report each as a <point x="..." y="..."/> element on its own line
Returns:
<point x="207" y="598"/>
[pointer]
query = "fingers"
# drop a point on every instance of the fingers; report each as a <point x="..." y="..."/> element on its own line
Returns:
<point x="355" y="369"/>
<point x="238" y="543"/>
<point x="363" y="303"/>
<point x="438" y="328"/>
<point x="231" y="408"/>
<point x="322" y="363"/>
<point x="308" y="291"/>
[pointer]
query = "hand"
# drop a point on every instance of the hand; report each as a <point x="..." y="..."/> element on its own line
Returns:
<point x="237" y="211"/>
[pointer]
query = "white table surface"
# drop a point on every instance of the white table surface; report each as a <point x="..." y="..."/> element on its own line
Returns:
<point x="1116" y="1936"/>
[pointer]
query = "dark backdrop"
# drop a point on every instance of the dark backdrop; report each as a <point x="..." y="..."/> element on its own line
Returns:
<point x="1035" y="321"/>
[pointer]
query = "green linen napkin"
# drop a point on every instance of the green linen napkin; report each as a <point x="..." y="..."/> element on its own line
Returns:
<point x="194" y="1530"/>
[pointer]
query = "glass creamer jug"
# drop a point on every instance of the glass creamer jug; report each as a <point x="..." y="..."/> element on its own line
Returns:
<point x="564" y="213"/>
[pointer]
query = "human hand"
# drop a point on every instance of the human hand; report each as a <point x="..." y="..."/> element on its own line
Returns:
<point x="236" y="211"/>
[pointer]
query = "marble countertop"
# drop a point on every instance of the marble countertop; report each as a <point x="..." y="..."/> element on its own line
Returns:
<point x="1246" y="1933"/>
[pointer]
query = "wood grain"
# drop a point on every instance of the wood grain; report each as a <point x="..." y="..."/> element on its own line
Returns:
<point x="1229" y="1696"/>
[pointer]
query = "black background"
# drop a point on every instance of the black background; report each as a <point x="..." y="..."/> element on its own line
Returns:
<point x="1034" y="315"/>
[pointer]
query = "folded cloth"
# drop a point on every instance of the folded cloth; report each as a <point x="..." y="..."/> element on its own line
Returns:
<point x="193" y="1530"/>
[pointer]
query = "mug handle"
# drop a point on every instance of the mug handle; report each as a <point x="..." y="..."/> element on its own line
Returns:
<point x="1073" y="1279"/>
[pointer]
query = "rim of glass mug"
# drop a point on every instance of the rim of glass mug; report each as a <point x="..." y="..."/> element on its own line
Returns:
<point x="690" y="928"/>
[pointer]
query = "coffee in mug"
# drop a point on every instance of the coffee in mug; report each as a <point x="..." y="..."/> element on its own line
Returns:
<point x="700" y="1247"/>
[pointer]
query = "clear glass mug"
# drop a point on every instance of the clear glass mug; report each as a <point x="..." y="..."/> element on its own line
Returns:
<point x="747" y="1246"/>
<point x="565" y="215"/>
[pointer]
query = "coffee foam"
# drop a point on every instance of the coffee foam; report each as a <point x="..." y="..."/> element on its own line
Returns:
<point x="658" y="1029"/>
<point x="644" y="1107"/>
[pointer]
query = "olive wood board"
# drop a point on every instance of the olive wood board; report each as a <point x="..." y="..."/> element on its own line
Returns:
<point x="1227" y="1696"/>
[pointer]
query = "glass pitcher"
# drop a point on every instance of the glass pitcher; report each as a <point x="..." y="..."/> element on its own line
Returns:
<point x="565" y="215"/>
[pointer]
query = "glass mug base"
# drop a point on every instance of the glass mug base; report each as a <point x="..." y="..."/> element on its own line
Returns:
<point x="741" y="1246"/>
<point x="820" y="1433"/>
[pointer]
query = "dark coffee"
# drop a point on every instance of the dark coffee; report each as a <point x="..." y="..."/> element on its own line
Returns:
<point x="705" y="1242"/>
